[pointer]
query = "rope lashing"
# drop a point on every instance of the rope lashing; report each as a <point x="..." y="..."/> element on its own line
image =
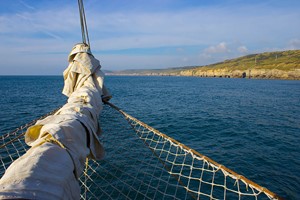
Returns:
<point x="84" y="29"/>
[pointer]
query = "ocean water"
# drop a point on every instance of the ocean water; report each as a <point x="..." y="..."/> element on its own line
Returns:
<point x="250" y="126"/>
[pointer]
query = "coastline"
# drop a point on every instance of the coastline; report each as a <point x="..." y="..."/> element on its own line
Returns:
<point x="283" y="65"/>
<point x="211" y="73"/>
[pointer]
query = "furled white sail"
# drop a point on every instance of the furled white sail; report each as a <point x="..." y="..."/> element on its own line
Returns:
<point x="61" y="142"/>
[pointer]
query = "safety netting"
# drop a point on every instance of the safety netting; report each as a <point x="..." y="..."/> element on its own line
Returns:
<point x="142" y="163"/>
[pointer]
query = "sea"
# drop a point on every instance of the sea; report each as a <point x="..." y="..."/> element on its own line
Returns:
<point x="251" y="126"/>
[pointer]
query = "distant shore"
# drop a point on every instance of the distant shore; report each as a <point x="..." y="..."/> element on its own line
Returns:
<point x="269" y="65"/>
<point x="251" y="73"/>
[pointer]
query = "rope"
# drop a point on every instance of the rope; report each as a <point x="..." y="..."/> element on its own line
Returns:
<point x="212" y="166"/>
<point x="84" y="29"/>
<point x="14" y="135"/>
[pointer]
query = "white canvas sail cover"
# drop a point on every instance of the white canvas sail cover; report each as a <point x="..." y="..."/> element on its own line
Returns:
<point x="61" y="142"/>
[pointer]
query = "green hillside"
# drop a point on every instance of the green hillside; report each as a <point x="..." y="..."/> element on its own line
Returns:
<point x="273" y="65"/>
<point x="282" y="60"/>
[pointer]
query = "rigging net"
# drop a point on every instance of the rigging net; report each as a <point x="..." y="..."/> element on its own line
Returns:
<point x="142" y="163"/>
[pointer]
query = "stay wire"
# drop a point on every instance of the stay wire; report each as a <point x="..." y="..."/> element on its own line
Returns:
<point x="81" y="21"/>
<point x="84" y="29"/>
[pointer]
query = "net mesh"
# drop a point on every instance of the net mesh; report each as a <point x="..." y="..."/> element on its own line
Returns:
<point x="142" y="163"/>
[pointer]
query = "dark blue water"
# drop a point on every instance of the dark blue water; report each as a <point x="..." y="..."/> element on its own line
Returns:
<point x="250" y="126"/>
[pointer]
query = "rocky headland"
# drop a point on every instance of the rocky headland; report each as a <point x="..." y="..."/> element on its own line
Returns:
<point x="269" y="65"/>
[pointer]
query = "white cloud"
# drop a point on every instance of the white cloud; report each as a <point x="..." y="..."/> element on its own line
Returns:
<point x="27" y="5"/>
<point x="220" y="48"/>
<point x="294" y="44"/>
<point x="242" y="49"/>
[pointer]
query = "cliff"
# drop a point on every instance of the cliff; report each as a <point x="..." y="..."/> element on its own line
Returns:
<point x="269" y="65"/>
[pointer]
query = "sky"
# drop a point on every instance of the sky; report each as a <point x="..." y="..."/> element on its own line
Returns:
<point x="36" y="36"/>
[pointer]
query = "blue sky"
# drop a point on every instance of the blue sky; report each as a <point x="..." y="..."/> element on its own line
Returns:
<point x="37" y="35"/>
